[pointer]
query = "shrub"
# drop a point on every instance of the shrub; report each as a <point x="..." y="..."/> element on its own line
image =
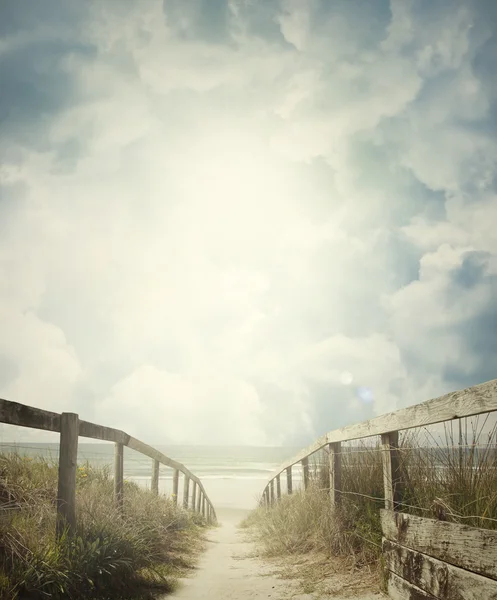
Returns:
<point x="112" y="555"/>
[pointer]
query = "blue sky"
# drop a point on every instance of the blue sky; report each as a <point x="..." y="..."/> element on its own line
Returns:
<point x="246" y="221"/>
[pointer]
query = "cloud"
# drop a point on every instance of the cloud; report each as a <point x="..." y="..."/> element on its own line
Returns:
<point x="246" y="222"/>
<point x="204" y="410"/>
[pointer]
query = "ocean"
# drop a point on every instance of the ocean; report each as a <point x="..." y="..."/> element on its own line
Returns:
<point x="233" y="476"/>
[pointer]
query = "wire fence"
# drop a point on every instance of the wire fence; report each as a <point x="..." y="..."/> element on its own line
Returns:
<point x="447" y="472"/>
<point x="137" y="468"/>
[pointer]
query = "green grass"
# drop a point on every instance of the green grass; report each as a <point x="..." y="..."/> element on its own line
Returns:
<point x="137" y="554"/>
<point x="445" y="477"/>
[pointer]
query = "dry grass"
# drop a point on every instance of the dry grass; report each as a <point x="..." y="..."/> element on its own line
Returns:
<point x="449" y="477"/>
<point x="133" y="555"/>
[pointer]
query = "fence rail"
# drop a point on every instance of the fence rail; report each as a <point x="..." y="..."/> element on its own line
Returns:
<point x="424" y="558"/>
<point x="71" y="428"/>
<point x="469" y="402"/>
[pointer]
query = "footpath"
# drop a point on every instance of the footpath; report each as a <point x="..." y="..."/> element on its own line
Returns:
<point x="229" y="570"/>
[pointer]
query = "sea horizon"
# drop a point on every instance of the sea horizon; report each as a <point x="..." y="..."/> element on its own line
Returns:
<point x="233" y="476"/>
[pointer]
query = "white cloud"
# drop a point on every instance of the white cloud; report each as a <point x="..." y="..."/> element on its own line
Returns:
<point x="224" y="228"/>
<point x="205" y="409"/>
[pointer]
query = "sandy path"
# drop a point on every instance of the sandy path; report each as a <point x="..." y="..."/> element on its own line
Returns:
<point x="227" y="570"/>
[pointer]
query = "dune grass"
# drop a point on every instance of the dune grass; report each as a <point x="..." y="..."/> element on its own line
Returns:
<point x="449" y="477"/>
<point x="137" y="554"/>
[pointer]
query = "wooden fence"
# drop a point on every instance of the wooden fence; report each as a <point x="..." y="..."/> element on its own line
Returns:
<point x="421" y="564"/>
<point x="71" y="428"/>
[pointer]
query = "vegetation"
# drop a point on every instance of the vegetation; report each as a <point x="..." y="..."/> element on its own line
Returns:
<point x="449" y="477"/>
<point x="112" y="556"/>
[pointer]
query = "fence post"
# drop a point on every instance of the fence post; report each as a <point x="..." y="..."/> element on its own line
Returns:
<point x="305" y="470"/>
<point x="203" y="505"/>
<point x="289" y="486"/>
<point x="271" y="488"/>
<point x="186" y="487"/>
<point x="194" y="495"/>
<point x="175" y="486"/>
<point x="119" y="475"/>
<point x="392" y="480"/>
<point x="154" y="486"/>
<point x="335" y="472"/>
<point x="278" y="487"/>
<point x="68" y="462"/>
<point x="199" y="500"/>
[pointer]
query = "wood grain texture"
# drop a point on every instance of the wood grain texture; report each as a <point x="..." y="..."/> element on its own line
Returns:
<point x="400" y="589"/>
<point x="175" y="485"/>
<point x="305" y="471"/>
<point x="68" y="462"/>
<point x="392" y="480"/>
<point x="194" y="495"/>
<point x="119" y="476"/>
<point x="438" y="578"/>
<point x="99" y="432"/>
<point x="22" y="415"/>
<point x="463" y="403"/>
<point x="335" y="466"/>
<point x="470" y="548"/>
<point x="14" y="413"/>
<point x="289" y="483"/>
<point x="186" y="487"/>
<point x="154" y="484"/>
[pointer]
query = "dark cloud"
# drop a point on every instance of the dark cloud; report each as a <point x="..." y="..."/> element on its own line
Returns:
<point x="477" y="332"/>
<point x="36" y="86"/>
<point x="36" y="81"/>
<point x="260" y="19"/>
<point x="364" y="21"/>
<point x="205" y="20"/>
<point x="480" y="337"/>
<point x="28" y="15"/>
<point x="472" y="270"/>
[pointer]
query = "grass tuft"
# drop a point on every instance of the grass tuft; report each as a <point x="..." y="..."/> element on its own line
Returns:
<point x="449" y="477"/>
<point x="137" y="554"/>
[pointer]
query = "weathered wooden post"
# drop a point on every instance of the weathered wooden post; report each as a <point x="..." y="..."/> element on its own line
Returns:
<point x="289" y="486"/>
<point x="392" y="479"/>
<point x="199" y="500"/>
<point x="305" y="471"/>
<point x="119" y="476"/>
<point x="203" y="505"/>
<point x="335" y="463"/>
<point x="175" y="486"/>
<point x="278" y="487"/>
<point x="194" y="495"/>
<point x="186" y="487"/>
<point x="271" y="488"/>
<point x="154" y="486"/>
<point x="68" y="462"/>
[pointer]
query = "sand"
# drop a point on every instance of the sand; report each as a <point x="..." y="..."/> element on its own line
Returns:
<point x="229" y="570"/>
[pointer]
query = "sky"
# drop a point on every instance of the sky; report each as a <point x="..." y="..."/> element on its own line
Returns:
<point x="245" y="221"/>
